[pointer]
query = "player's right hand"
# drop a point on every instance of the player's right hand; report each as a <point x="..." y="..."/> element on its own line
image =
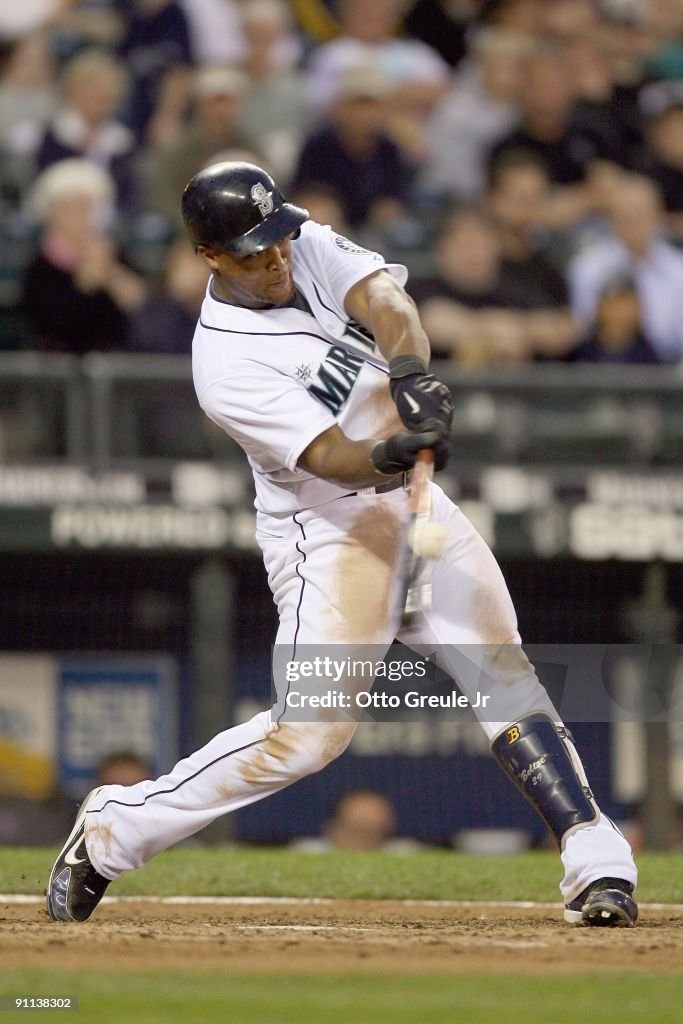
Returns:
<point x="398" y="452"/>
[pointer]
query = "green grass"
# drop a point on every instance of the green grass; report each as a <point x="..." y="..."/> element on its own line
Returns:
<point x="155" y="997"/>
<point x="340" y="998"/>
<point x="235" y="871"/>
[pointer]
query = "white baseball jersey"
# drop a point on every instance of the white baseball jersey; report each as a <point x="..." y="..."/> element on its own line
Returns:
<point x="275" y="379"/>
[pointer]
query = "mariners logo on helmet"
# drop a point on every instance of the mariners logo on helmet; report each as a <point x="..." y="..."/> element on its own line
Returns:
<point x="262" y="199"/>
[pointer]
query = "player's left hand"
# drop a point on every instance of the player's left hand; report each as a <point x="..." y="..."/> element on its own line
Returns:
<point x="423" y="401"/>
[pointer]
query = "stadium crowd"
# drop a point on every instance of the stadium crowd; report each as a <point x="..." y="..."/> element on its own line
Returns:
<point x="524" y="158"/>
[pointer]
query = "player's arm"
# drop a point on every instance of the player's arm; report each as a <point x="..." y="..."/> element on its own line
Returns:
<point x="335" y="457"/>
<point x="383" y="307"/>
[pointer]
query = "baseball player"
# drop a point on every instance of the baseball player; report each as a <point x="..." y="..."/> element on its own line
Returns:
<point x="309" y="353"/>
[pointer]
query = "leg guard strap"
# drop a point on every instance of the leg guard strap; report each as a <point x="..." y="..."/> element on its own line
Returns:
<point x="539" y="756"/>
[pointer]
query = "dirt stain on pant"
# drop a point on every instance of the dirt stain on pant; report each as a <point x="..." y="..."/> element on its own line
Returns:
<point x="361" y="579"/>
<point x="294" y="750"/>
<point x="99" y="833"/>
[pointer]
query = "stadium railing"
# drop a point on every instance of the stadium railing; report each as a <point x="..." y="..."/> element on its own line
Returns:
<point x="105" y="409"/>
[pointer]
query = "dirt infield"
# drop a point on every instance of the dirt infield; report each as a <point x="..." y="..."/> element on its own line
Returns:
<point x="340" y="935"/>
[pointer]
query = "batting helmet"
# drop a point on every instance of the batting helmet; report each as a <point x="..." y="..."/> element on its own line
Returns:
<point x="238" y="207"/>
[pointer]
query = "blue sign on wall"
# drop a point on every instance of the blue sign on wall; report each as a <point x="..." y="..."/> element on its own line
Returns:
<point x="110" y="704"/>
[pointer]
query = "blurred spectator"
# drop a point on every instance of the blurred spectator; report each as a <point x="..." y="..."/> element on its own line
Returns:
<point x="442" y="24"/>
<point x="548" y="128"/>
<point x="352" y="154"/>
<point x="87" y="23"/>
<point x="516" y="15"/>
<point x="418" y="75"/>
<point x="26" y="93"/>
<point x="217" y="97"/>
<point x="215" y="30"/>
<point x="481" y="107"/>
<point x="19" y="17"/>
<point x="626" y="36"/>
<point x="271" y="39"/>
<point x="166" y="320"/>
<point x="323" y="205"/>
<point x="601" y="108"/>
<point x="362" y="820"/>
<point x="76" y="293"/>
<point x="635" y="245"/>
<point x="519" y="192"/>
<point x="170" y="113"/>
<point x="662" y="158"/>
<point x="665" y="20"/>
<point x="463" y="308"/>
<point x="156" y="42"/>
<point x="93" y="84"/>
<point x="277" y="112"/>
<point x="368" y="38"/>
<point x="567" y="19"/>
<point x="617" y="335"/>
<point x="122" y="768"/>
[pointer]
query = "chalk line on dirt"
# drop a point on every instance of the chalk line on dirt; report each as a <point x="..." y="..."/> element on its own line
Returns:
<point x="312" y="901"/>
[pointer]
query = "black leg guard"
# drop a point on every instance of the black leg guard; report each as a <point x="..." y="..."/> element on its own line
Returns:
<point x="540" y="758"/>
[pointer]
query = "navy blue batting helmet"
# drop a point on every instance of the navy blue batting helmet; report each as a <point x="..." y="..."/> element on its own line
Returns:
<point x="238" y="207"/>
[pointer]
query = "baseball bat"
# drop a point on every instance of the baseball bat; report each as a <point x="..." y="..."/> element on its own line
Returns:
<point x="416" y="587"/>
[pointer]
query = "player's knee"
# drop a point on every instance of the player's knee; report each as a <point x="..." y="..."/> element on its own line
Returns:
<point x="324" y="742"/>
<point x="315" y="744"/>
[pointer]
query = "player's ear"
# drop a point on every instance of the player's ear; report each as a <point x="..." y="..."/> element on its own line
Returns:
<point x="208" y="254"/>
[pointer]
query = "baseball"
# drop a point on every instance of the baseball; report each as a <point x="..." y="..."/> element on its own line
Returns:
<point x="427" y="539"/>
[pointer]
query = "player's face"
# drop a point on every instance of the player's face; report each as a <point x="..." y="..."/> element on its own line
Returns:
<point x="257" y="281"/>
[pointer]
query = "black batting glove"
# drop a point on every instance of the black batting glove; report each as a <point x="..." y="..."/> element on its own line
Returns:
<point x="398" y="453"/>
<point x="420" y="398"/>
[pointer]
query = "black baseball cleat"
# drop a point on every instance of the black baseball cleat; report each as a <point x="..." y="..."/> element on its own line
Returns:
<point x="605" y="903"/>
<point x="74" y="888"/>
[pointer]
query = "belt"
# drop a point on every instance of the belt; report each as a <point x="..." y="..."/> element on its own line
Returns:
<point x="402" y="480"/>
